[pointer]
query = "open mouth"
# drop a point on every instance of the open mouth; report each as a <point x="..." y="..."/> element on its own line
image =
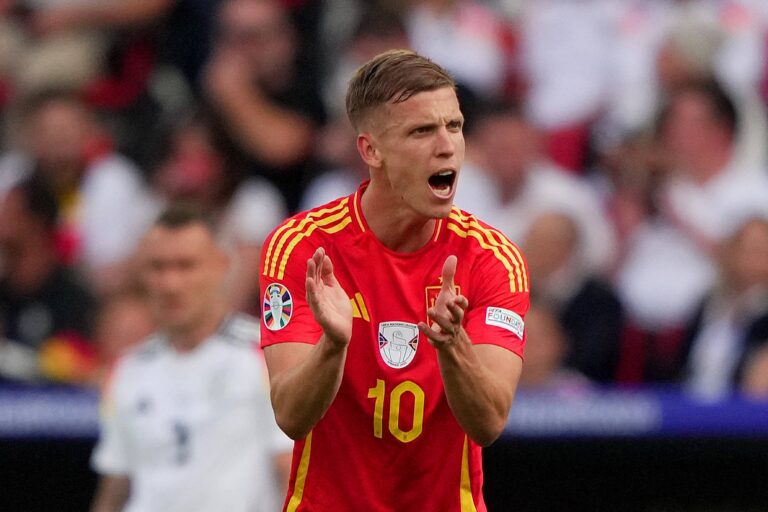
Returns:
<point x="442" y="182"/>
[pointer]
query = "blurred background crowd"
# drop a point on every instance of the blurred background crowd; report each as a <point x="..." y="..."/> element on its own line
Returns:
<point x="622" y="145"/>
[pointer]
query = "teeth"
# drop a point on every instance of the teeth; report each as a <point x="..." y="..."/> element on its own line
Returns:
<point x="445" y="173"/>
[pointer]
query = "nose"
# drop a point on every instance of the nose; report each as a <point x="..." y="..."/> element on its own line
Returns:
<point x="445" y="145"/>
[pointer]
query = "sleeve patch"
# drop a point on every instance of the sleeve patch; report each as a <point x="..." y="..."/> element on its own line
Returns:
<point x="505" y="319"/>
<point x="277" y="307"/>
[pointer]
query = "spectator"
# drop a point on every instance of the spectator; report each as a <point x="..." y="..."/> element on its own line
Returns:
<point x="124" y="319"/>
<point x="102" y="197"/>
<point x="703" y="195"/>
<point x="255" y="86"/>
<point x="377" y="29"/>
<point x="512" y="181"/>
<point x="189" y="426"/>
<point x="668" y="44"/>
<point x="45" y="310"/>
<point x="545" y="368"/>
<point x="199" y="167"/>
<point x="472" y="41"/>
<point x="585" y="305"/>
<point x="566" y="58"/>
<point x="732" y="321"/>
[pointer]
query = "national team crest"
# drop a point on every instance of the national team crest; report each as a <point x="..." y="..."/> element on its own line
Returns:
<point x="398" y="342"/>
<point x="278" y="307"/>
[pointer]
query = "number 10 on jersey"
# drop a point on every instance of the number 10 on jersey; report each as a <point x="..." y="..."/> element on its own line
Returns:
<point x="379" y="393"/>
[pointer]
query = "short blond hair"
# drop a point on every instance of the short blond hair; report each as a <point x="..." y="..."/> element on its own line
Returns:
<point x="392" y="76"/>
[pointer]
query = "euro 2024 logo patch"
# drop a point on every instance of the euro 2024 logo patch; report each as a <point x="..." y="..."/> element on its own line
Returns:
<point x="398" y="342"/>
<point x="278" y="307"/>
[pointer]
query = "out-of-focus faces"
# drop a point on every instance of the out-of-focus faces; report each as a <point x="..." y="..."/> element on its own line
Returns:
<point x="507" y="146"/>
<point x="183" y="271"/>
<point x="545" y="348"/>
<point x="193" y="168"/>
<point x="689" y="129"/>
<point x="549" y="245"/>
<point x="260" y="29"/>
<point x="56" y="137"/>
<point x="419" y="148"/>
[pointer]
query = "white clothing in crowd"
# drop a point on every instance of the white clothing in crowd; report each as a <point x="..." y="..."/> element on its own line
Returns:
<point x="193" y="431"/>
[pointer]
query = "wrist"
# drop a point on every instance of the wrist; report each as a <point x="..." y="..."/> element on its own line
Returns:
<point x="333" y="346"/>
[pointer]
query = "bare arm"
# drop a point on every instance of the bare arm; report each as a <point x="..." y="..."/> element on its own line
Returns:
<point x="304" y="379"/>
<point x="275" y="135"/>
<point x="479" y="380"/>
<point x="111" y="494"/>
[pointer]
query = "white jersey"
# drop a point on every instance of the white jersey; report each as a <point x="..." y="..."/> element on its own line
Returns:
<point x="193" y="431"/>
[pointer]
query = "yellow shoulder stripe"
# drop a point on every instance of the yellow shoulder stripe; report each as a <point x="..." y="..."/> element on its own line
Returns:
<point x="326" y="224"/>
<point x="297" y="226"/>
<point x="491" y="239"/>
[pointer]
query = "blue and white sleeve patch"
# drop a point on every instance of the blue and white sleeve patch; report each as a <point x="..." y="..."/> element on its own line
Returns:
<point x="505" y="319"/>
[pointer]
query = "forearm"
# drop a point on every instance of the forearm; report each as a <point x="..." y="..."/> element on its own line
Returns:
<point x="112" y="494"/>
<point x="479" y="400"/>
<point x="275" y="135"/>
<point x="301" y="395"/>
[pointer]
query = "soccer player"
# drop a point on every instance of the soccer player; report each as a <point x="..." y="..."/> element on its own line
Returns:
<point x="187" y="424"/>
<point x="393" y="322"/>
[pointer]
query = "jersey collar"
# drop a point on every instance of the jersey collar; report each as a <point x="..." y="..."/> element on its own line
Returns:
<point x="359" y="220"/>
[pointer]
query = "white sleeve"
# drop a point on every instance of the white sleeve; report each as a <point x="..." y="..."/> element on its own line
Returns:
<point x="111" y="454"/>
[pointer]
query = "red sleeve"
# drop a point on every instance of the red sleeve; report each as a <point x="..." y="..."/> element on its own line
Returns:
<point x="498" y="301"/>
<point x="285" y="314"/>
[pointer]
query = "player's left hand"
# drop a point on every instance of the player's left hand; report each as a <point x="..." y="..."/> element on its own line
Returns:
<point x="448" y="312"/>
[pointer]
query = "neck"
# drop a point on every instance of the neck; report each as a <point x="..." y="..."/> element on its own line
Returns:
<point x="188" y="338"/>
<point x="398" y="228"/>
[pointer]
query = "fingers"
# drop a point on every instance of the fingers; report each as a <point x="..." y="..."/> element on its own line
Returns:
<point x="313" y="280"/>
<point x="449" y="272"/>
<point x="436" y="338"/>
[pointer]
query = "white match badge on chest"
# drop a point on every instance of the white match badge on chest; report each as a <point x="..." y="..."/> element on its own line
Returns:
<point x="505" y="319"/>
<point x="398" y="342"/>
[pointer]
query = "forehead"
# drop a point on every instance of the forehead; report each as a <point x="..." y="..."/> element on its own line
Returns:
<point x="428" y="106"/>
<point x="188" y="241"/>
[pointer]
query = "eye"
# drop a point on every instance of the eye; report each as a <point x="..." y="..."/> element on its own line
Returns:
<point x="422" y="130"/>
<point x="456" y="125"/>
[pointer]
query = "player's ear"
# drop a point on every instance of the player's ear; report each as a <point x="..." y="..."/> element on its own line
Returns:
<point x="366" y="146"/>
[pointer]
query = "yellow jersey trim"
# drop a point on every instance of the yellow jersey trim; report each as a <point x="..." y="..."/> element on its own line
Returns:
<point x="356" y="205"/>
<point x="301" y="476"/>
<point x="465" y="494"/>
<point x="323" y="226"/>
<point x="296" y="227"/>
<point x="358" y="307"/>
<point x="491" y="239"/>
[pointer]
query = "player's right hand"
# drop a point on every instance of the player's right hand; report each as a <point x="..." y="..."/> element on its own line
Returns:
<point x="328" y="301"/>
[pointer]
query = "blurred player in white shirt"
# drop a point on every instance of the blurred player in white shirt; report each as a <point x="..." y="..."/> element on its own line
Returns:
<point x="186" y="421"/>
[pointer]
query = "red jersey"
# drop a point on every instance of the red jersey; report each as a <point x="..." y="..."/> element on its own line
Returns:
<point x="389" y="441"/>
